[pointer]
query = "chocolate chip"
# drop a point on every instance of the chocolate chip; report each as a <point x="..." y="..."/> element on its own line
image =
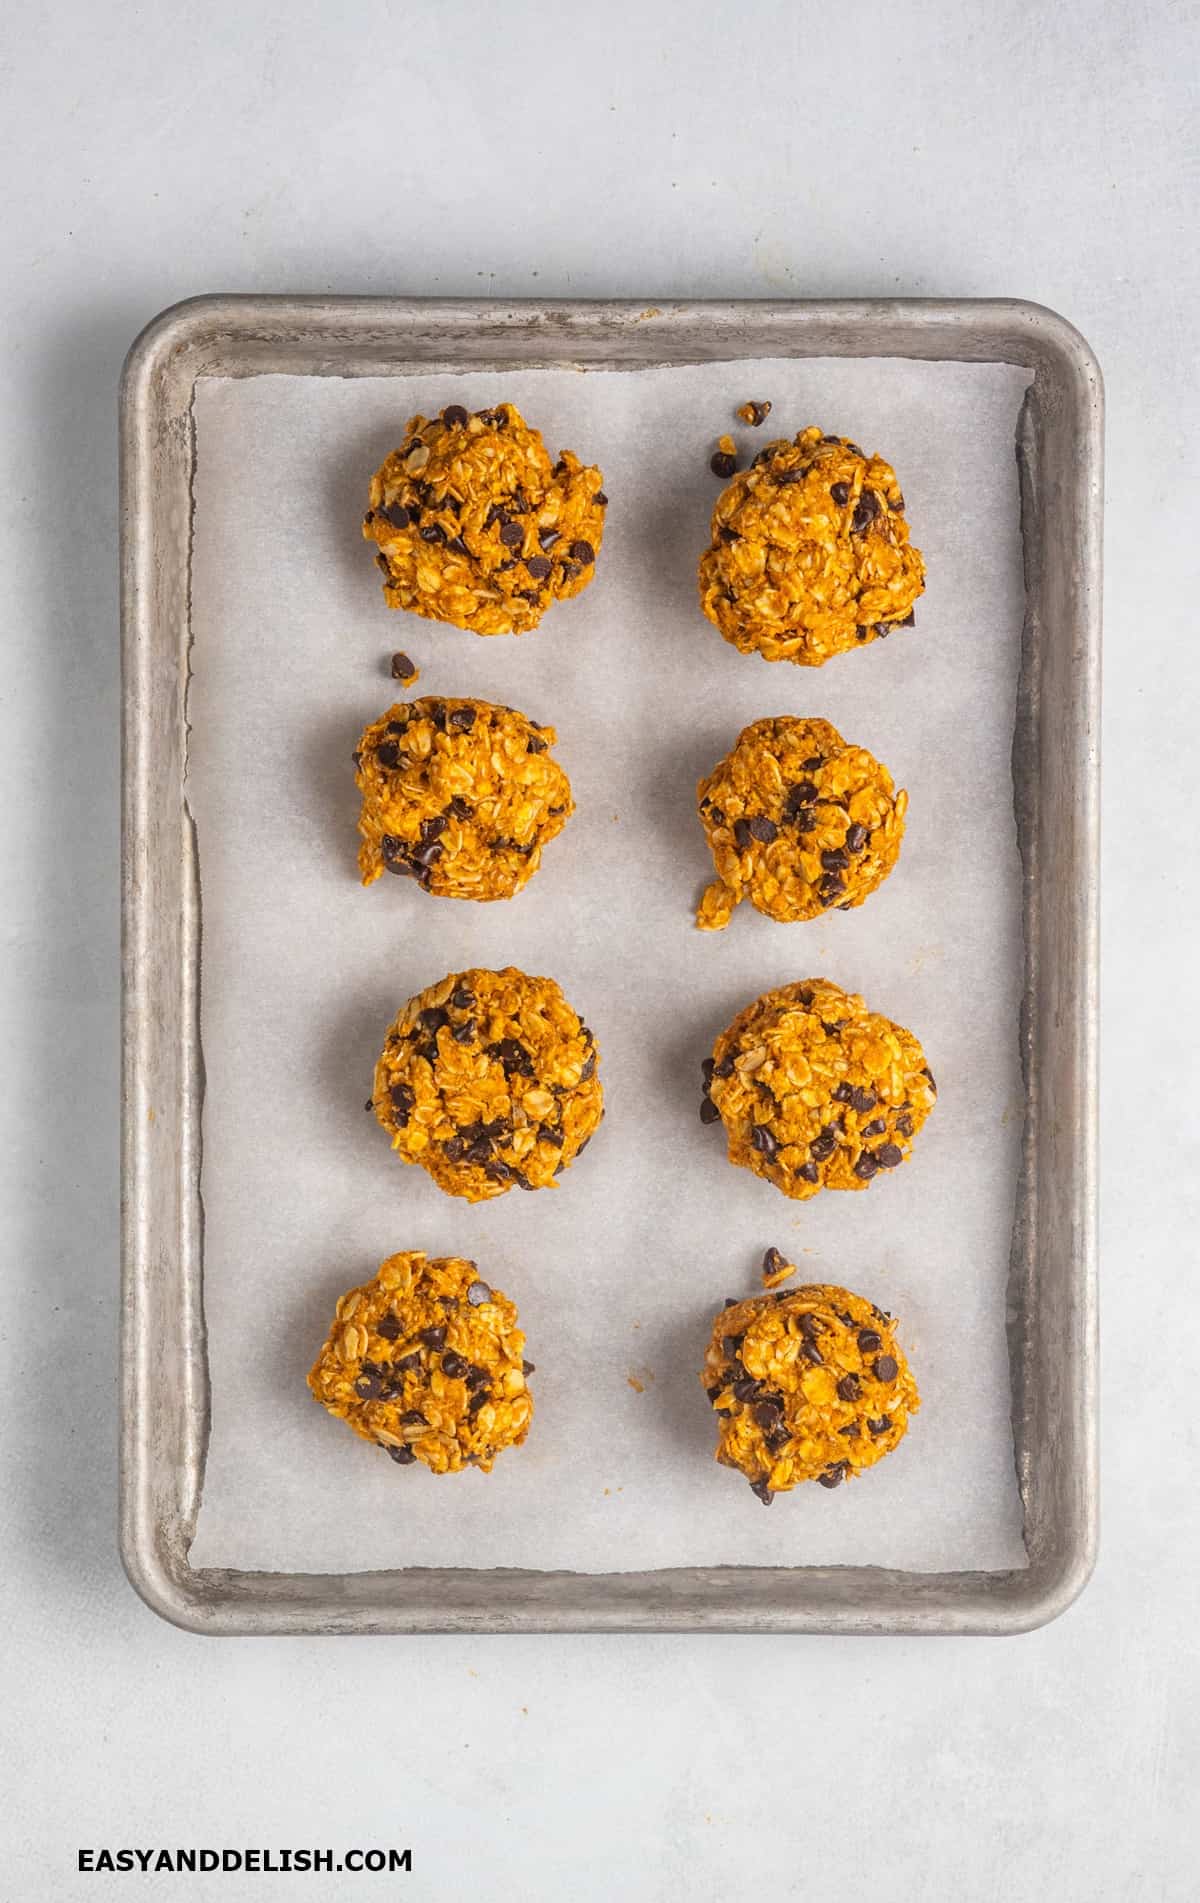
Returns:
<point x="724" y="1068"/>
<point x="462" y="719"/>
<point x="856" y="837"/>
<point x="708" y="1111"/>
<point x="840" y="492"/>
<point x="368" y="1387"/>
<point x="822" y="1146"/>
<point x="926" y="1072"/>
<point x="868" y="1341"/>
<point x="764" y="456"/>
<point x="809" y="1173"/>
<point x="512" y="535"/>
<point x="756" y="413"/>
<point x="804" y="793"/>
<point x="707" y="1068"/>
<point x="909" y="621"/>
<point x="763" y="1490"/>
<point x="454" y="415"/>
<point x="849" y="1387"/>
<point x="831" y="887"/>
<point x="746" y="1388"/>
<point x="570" y="570"/>
<point x="850" y="1431"/>
<point x="402" y="668"/>
<point x="741" y="834"/>
<point x="459" y="807"/>
<point x="589" y="1069"/>
<point x="763" y="829"/>
<point x="403" y="1456"/>
<point x="897" y="505"/>
<point x="512" y="1055"/>
<point x="388" y="753"/>
<point x="775" y="1438"/>
<point x="762" y="1140"/>
<point x="814" y="1354"/>
<point x="528" y="1367"/>
<point x="433" y="533"/>
<point x="865" y="1166"/>
<point x="413" y="1417"/>
<point x="904" y="1126"/>
<point x="785" y="477"/>
<point x="835" y="859"/>
<point x="888" y="1156"/>
<point x="722" y="463"/>
<point x="879" y="1426"/>
<point x="432" y="828"/>
<point x="886" y="1369"/>
<point x="478" y="1293"/>
<point x="396" y="514"/>
<point x="768" y="1413"/>
<point x="389" y="1328"/>
<point x="732" y="1344"/>
<point x="875" y="1128"/>
<point x="538" y="567"/>
<point x="773" y="1261"/>
<point x="833" y="1028"/>
<point x="833" y="1476"/>
<point x="454" y="1365"/>
<point x="600" y="499"/>
<point x="583" y="552"/>
<point x="433" y="1337"/>
<point x="402" y="1099"/>
<point x="865" y="513"/>
<point x="862" y="1100"/>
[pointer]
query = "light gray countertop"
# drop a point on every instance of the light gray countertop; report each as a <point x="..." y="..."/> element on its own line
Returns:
<point x="153" y="152"/>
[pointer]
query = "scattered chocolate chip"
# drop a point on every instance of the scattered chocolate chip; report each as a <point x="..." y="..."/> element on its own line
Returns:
<point x="583" y="552"/>
<point x="822" y="1147"/>
<point x="835" y="859"/>
<point x="464" y="1033"/>
<point x="840" y="492"/>
<point x="889" y="1156"/>
<point x="459" y="807"/>
<point x="454" y="1365"/>
<point x="904" y="1126"/>
<point x="886" y="1369"/>
<point x="897" y="505"/>
<point x="589" y="1069"/>
<point x="538" y="567"/>
<point x="402" y="668"/>
<point x="402" y="1099"/>
<point x="600" y="499"/>
<point x="768" y="1413"/>
<point x="850" y="1431"/>
<point x="762" y="1140"/>
<point x="814" y="1354"/>
<point x="413" y="1417"/>
<point x="764" y="456"/>
<point x="833" y="1476"/>
<point x="570" y="570"/>
<point x="865" y="513"/>
<point x="865" y="1166"/>
<point x="528" y="1367"/>
<point x="909" y="621"/>
<point x="786" y="477"/>
<point x="368" y="1387"/>
<point x="512" y="1055"/>
<point x="403" y="1456"/>
<point x="462" y="719"/>
<point x="724" y="1068"/>
<point x="732" y="1344"/>
<point x="512" y="534"/>
<point x="763" y="1490"/>
<point x="809" y="1324"/>
<point x="849" y="1387"/>
<point x="388" y="753"/>
<point x="747" y="1389"/>
<point x="856" y="837"/>
<point x="755" y="412"/>
<point x="868" y="1341"/>
<point x="832" y="1027"/>
<point x="809" y="1173"/>
<point x="741" y="834"/>
<point x="707" y="1068"/>
<point x="406" y="1364"/>
<point x="722" y="463"/>
<point x="775" y="1438"/>
<point x="926" y="1072"/>
<point x="478" y="1293"/>
<point x="433" y="1337"/>
<point x="879" y="1426"/>
<point x="763" y="829"/>
<point x="389" y="1328"/>
<point x="875" y="1128"/>
<point x="708" y="1111"/>
<point x="454" y="416"/>
<point x="396" y="514"/>
<point x="831" y="887"/>
<point x="862" y="1100"/>
<point x="773" y="1261"/>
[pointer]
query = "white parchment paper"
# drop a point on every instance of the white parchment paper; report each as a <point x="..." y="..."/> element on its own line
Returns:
<point x="618" y="1271"/>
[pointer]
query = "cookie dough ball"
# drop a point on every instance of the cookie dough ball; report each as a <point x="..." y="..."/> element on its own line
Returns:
<point x="426" y="1361"/>
<point x="815" y="1091"/>
<point x="459" y="795"/>
<point x="810" y="553"/>
<point x="473" y="524"/>
<point x="489" y="1079"/>
<point x="797" y="822"/>
<point x="809" y="1384"/>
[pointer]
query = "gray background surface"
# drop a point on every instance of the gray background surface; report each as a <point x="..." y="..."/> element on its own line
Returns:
<point x="153" y="152"/>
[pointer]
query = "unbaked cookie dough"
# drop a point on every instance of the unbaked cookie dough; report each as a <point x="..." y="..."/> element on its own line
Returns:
<point x="473" y="524"/>
<point x="810" y="555"/>
<point x="460" y="795"/>
<point x="487" y="1080"/>
<point x="807" y="1384"/>
<point x="797" y="822"/>
<point x="815" y="1091"/>
<point x="427" y="1362"/>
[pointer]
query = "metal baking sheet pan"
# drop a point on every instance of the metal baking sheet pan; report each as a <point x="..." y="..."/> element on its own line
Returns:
<point x="171" y="604"/>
